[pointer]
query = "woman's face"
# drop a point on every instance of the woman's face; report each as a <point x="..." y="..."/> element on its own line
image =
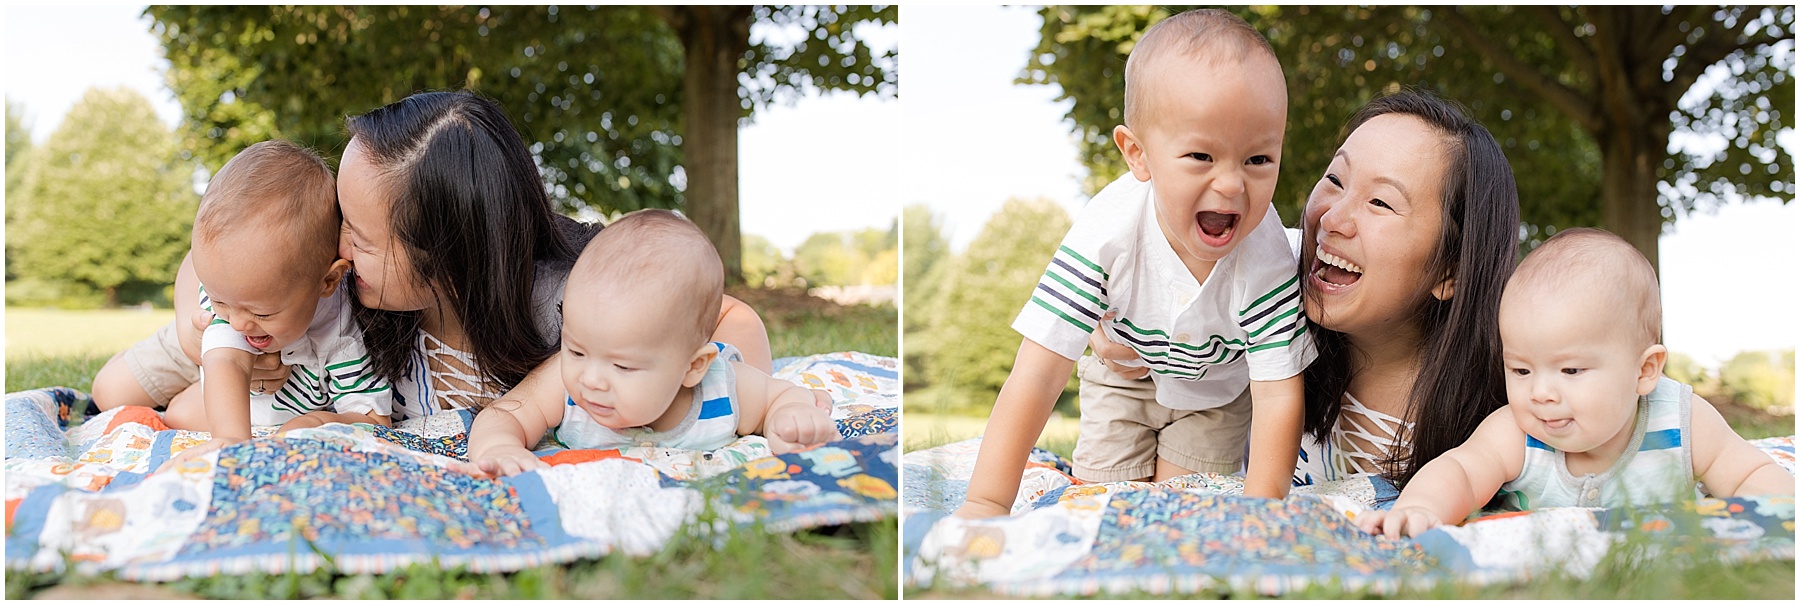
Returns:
<point x="383" y="269"/>
<point x="1371" y="225"/>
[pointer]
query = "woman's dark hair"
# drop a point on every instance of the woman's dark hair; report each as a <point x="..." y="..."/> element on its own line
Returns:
<point x="1460" y="376"/>
<point x="469" y="206"/>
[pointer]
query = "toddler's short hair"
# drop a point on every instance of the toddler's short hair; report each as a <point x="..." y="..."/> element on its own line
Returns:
<point x="659" y="254"/>
<point x="1592" y="258"/>
<point x="1187" y="35"/>
<point x="277" y="185"/>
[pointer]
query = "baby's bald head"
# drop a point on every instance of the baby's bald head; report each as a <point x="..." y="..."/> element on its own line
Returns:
<point x="1200" y="35"/>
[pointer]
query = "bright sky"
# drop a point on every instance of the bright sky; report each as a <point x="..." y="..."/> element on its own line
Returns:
<point x="975" y="139"/>
<point x="822" y="164"/>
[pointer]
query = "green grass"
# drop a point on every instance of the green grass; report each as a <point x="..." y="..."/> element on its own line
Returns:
<point x="856" y="561"/>
<point x="35" y="333"/>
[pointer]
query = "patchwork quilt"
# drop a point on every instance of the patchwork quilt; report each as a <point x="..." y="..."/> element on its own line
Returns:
<point x="368" y="499"/>
<point x="1198" y="532"/>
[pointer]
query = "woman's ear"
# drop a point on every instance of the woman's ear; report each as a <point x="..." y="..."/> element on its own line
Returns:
<point x="1650" y="368"/>
<point x="333" y="275"/>
<point x="1444" y="290"/>
<point x="703" y="358"/>
<point x="1133" y="150"/>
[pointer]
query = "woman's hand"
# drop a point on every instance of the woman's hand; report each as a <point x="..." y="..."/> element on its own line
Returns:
<point x="1110" y="353"/>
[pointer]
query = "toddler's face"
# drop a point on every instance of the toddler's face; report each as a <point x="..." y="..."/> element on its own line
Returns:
<point x="1212" y="145"/>
<point x="1572" y="370"/>
<point x="619" y="363"/>
<point x="272" y="309"/>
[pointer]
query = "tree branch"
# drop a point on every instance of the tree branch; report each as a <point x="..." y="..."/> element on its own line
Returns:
<point x="1568" y="100"/>
<point x="1571" y="45"/>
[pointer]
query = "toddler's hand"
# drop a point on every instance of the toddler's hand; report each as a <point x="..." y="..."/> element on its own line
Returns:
<point x="1108" y="352"/>
<point x="1409" y="521"/>
<point x="799" y="425"/>
<point x="501" y="464"/>
<point x="197" y="451"/>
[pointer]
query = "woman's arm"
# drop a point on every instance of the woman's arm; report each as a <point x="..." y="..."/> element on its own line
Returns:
<point x="739" y="326"/>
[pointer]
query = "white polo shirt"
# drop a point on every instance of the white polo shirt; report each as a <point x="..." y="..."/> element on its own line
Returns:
<point x="330" y="367"/>
<point x="1203" y="342"/>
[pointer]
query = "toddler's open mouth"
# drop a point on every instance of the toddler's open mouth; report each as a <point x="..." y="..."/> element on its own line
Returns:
<point x="260" y="342"/>
<point x="1335" y="270"/>
<point x="1216" y="228"/>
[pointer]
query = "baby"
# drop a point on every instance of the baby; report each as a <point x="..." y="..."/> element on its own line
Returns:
<point x="265" y="251"/>
<point x="636" y="363"/>
<point x="1185" y="262"/>
<point x="1590" y="420"/>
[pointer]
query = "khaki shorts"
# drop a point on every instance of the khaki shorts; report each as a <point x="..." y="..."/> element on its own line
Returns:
<point x="159" y="365"/>
<point x="1124" y="430"/>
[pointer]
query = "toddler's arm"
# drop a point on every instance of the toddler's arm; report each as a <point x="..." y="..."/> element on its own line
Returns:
<point x="1024" y="405"/>
<point x="1456" y="483"/>
<point x="1278" y="412"/>
<point x="225" y="394"/>
<point x="500" y="440"/>
<point x="1728" y="465"/>
<point x="780" y="410"/>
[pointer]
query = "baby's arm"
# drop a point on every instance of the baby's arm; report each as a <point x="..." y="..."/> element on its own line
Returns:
<point x="1456" y="483"/>
<point x="1024" y="405"/>
<point x="1728" y="465"/>
<point x="780" y="410"/>
<point x="500" y="440"/>
<point x="1277" y="414"/>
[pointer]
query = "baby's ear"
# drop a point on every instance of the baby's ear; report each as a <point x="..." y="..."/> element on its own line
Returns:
<point x="1650" y="368"/>
<point x="1133" y="150"/>
<point x="333" y="275"/>
<point x="703" y="358"/>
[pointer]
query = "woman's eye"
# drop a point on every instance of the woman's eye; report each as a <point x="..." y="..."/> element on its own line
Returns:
<point x="622" y="368"/>
<point x="1381" y="204"/>
<point x="574" y="353"/>
<point x="1334" y="180"/>
<point x="1521" y="371"/>
<point x="1259" y="160"/>
<point x="1204" y="157"/>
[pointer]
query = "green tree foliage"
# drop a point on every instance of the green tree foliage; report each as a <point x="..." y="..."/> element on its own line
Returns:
<point x="18" y="143"/>
<point x="848" y="258"/>
<point x="925" y="247"/>
<point x="105" y="201"/>
<point x="625" y="107"/>
<point x="970" y="336"/>
<point x="1762" y="379"/>
<point x="1585" y="100"/>
<point x="762" y="260"/>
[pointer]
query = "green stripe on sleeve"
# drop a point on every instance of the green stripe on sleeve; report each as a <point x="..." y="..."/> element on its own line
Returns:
<point x="1052" y="308"/>
<point x="1278" y="290"/>
<point x="1275" y="320"/>
<point x="1083" y="260"/>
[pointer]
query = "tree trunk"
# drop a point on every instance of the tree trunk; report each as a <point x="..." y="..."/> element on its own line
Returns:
<point x="714" y="38"/>
<point x="1629" y="206"/>
<point x="112" y="296"/>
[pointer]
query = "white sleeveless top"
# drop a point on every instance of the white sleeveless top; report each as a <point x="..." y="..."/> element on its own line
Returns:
<point x="711" y="421"/>
<point x="1656" y="467"/>
<point x="1362" y="439"/>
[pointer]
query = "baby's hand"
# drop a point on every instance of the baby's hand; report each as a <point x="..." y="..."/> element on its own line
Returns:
<point x="306" y="421"/>
<point x="1410" y="521"/>
<point x="504" y="463"/>
<point x="197" y="451"/>
<point x="791" y="426"/>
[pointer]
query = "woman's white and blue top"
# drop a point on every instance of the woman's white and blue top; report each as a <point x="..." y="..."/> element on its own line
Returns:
<point x="711" y="421"/>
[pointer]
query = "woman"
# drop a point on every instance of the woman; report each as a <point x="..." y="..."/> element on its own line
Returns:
<point x="1406" y="243"/>
<point x="458" y="257"/>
